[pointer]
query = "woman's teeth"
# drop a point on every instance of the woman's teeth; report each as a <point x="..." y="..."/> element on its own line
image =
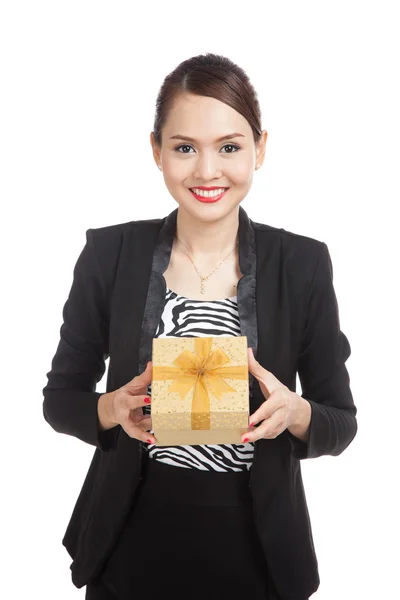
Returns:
<point x="208" y="194"/>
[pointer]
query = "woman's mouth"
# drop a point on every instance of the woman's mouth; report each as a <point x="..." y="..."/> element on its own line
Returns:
<point x="208" y="196"/>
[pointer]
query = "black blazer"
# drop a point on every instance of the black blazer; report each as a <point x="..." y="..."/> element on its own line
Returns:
<point x="289" y="313"/>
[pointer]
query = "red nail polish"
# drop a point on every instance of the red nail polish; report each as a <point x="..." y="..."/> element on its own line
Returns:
<point x="147" y="400"/>
<point x="149" y="441"/>
<point x="251" y="424"/>
<point x="245" y="440"/>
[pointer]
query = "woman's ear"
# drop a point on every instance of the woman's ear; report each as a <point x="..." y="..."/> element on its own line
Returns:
<point x="156" y="150"/>
<point x="261" y="144"/>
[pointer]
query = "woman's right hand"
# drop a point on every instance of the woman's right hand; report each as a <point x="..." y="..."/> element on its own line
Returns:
<point x="126" y="407"/>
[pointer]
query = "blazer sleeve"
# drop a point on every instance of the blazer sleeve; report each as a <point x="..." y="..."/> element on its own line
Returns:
<point x="324" y="379"/>
<point x="70" y="397"/>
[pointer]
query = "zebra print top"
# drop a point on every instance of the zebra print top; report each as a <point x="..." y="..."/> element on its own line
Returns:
<point x="185" y="317"/>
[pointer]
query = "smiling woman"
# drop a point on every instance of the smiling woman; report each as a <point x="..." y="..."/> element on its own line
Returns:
<point x="200" y="521"/>
<point x="209" y="104"/>
<point x="205" y="161"/>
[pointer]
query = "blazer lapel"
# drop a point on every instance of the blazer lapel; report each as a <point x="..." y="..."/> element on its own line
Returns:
<point x="155" y="297"/>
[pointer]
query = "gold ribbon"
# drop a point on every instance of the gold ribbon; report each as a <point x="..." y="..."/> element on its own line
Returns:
<point x="205" y="372"/>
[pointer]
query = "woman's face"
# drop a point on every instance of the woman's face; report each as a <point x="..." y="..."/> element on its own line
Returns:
<point x="205" y="160"/>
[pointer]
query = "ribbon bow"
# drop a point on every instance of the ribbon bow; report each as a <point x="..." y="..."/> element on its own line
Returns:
<point x="205" y="371"/>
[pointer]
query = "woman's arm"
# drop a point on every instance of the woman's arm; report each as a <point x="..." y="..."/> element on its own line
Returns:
<point x="324" y="379"/>
<point x="70" y="403"/>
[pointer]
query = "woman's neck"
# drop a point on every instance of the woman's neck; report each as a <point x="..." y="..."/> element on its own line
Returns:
<point x="207" y="239"/>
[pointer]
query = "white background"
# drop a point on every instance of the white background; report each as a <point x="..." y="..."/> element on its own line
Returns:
<point x="78" y="88"/>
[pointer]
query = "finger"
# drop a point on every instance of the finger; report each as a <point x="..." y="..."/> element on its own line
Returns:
<point x="133" y="402"/>
<point x="258" y="416"/>
<point x="144" y="424"/>
<point x="270" y="427"/>
<point x="267" y="430"/>
<point x="266" y="409"/>
<point x="262" y="413"/>
<point x="135" y="431"/>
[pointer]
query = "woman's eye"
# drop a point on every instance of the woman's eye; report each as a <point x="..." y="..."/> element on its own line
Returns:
<point x="183" y="146"/>
<point x="231" y="146"/>
<point x="226" y="145"/>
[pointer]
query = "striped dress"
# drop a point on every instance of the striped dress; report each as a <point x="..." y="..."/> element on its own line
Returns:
<point x="184" y="317"/>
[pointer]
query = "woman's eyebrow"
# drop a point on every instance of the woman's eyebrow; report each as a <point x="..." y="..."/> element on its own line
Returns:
<point x="189" y="139"/>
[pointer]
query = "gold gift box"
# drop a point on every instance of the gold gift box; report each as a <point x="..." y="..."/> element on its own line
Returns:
<point x="199" y="390"/>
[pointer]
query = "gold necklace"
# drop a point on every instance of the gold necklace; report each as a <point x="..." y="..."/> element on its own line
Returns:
<point x="203" y="279"/>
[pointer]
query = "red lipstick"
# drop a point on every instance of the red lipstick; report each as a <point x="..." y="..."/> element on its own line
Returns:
<point x="211" y="198"/>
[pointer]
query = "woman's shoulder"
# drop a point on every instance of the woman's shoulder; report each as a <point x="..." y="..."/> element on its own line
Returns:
<point x="109" y="239"/>
<point x="119" y="229"/>
<point x="294" y="247"/>
<point x="293" y="236"/>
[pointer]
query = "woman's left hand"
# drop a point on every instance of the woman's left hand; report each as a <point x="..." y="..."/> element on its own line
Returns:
<point x="280" y="409"/>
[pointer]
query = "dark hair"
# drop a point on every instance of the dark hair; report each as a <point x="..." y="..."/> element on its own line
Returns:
<point x="209" y="75"/>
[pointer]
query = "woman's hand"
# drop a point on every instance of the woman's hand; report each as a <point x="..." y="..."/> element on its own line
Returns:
<point x="280" y="409"/>
<point x="127" y="404"/>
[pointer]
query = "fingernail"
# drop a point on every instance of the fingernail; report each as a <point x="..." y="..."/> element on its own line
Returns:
<point x="147" y="400"/>
<point x="245" y="440"/>
<point x="149" y="441"/>
<point x="251" y="424"/>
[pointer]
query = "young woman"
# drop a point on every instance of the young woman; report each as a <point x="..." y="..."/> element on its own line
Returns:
<point x="217" y="521"/>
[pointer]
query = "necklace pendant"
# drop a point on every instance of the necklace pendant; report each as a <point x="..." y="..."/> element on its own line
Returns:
<point x="202" y="289"/>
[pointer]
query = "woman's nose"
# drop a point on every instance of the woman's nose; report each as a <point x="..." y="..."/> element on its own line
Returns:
<point x="207" y="168"/>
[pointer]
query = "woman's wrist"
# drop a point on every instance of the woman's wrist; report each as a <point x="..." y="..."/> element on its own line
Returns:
<point x="105" y="411"/>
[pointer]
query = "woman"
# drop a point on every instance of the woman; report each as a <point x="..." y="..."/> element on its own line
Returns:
<point x="216" y="521"/>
